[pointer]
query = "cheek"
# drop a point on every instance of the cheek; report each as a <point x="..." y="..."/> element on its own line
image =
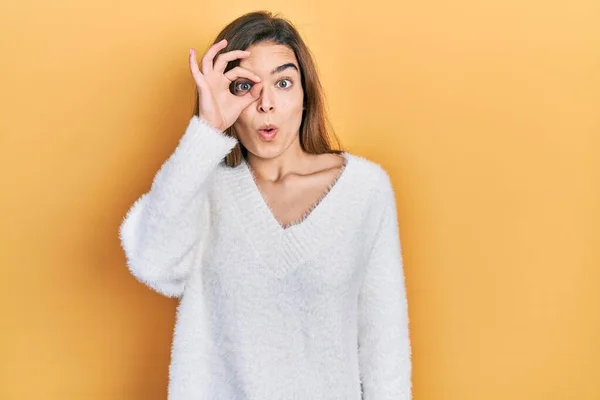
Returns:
<point x="242" y="127"/>
<point x="293" y="104"/>
<point x="245" y="115"/>
<point x="244" y="120"/>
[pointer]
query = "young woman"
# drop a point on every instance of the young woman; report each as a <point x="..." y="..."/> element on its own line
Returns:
<point x="284" y="252"/>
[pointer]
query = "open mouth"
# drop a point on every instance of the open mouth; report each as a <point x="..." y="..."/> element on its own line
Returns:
<point x="267" y="133"/>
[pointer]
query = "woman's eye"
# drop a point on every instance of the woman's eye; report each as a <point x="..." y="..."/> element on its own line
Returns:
<point x="284" y="83"/>
<point x="242" y="86"/>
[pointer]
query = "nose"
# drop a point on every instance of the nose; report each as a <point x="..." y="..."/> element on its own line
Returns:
<point x="266" y="102"/>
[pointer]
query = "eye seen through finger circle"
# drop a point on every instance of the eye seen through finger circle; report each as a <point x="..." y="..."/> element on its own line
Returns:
<point x="240" y="87"/>
<point x="243" y="86"/>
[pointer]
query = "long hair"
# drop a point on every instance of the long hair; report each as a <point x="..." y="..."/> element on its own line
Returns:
<point x="316" y="134"/>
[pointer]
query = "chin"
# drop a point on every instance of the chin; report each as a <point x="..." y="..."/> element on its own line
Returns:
<point x="269" y="149"/>
<point x="266" y="151"/>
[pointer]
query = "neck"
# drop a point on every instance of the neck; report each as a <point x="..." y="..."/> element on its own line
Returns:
<point x="292" y="160"/>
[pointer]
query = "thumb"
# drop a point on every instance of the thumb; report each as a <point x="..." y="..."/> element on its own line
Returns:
<point x="253" y="94"/>
<point x="242" y="102"/>
<point x="256" y="90"/>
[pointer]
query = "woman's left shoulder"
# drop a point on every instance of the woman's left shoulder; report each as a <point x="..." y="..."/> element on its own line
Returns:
<point x="369" y="174"/>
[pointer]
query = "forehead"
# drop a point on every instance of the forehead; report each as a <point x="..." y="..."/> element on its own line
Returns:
<point x="266" y="56"/>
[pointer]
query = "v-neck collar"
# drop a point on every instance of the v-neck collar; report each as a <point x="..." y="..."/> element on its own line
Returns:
<point x="281" y="247"/>
<point x="312" y="207"/>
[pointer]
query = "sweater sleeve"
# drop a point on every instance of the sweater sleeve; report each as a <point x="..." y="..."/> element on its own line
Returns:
<point x="384" y="343"/>
<point x="163" y="230"/>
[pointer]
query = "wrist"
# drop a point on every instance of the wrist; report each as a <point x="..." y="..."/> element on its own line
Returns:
<point x="212" y="124"/>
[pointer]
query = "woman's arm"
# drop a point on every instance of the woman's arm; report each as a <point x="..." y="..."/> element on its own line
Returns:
<point x="384" y="343"/>
<point x="163" y="231"/>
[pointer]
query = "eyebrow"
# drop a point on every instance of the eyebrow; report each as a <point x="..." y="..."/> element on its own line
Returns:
<point x="283" y="67"/>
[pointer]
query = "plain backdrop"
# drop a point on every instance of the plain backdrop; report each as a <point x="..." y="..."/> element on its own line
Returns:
<point x="485" y="113"/>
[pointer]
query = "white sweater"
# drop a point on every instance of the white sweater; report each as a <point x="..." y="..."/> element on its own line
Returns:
<point x="314" y="311"/>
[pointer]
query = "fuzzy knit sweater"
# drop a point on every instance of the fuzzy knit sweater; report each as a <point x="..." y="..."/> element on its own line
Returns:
<point x="313" y="311"/>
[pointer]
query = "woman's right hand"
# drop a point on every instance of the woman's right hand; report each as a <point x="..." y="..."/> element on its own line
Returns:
<point x="217" y="105"/>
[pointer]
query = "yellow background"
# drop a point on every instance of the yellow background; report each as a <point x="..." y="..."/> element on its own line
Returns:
<point x="485" y="113"/>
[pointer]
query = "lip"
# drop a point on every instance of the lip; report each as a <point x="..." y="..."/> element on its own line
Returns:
<point x="267" y="132"/>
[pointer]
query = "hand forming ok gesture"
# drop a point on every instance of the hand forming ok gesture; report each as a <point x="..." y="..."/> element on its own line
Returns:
<point x="217" y="105"/>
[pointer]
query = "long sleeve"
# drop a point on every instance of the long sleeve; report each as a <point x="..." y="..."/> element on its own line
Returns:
<point x="162" y="232"/>
<point x="384" y="343"/>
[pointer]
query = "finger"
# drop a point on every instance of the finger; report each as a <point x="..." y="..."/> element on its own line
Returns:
<point x="239" y="72"/>
<point x="207" y="60"/>
<point x="250" y="97"/>
<point x="198" y="77"/>
<point x="256" y="91"/>
<point x="203" y="87"/>
<point x="194" y="64"/>
<point x="223" y="59"/>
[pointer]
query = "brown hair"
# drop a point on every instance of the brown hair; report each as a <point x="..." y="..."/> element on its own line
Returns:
<point x="316" y="134"/>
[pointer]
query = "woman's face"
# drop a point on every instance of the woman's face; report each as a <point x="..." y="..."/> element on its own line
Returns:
<point x="270" y="125"/>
